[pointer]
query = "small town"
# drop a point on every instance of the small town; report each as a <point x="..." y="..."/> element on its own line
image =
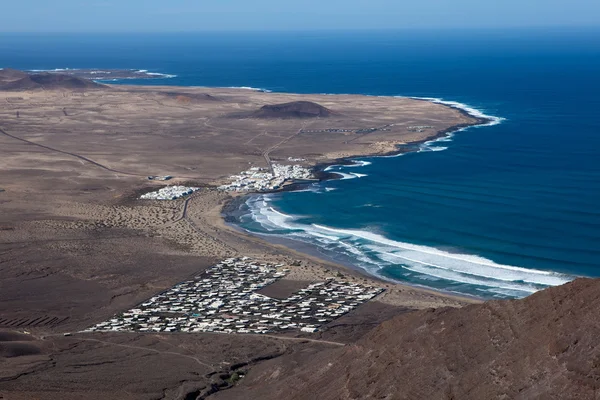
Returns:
<point x="261" y="179"/>
<point x="225" y="299"/>
<point x="169" y="193"/>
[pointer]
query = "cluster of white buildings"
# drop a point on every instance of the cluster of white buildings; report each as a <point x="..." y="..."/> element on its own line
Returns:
<point x="224" y="299"/>
<point x="419" y="128"/>
<point x="258" y="179"/>
<point x="169" y="193"/>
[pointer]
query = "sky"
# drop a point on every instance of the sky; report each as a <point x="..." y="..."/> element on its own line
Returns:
<point x="243" y="15"/>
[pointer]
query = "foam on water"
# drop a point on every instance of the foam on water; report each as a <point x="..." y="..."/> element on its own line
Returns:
<point x="429" y="145"/>
<point x="374" y="252"/>
<point x="166" y="76"/>
<point x="314" y="188"/>
<point x="355" y="163"/>
<point x="350" y="175"/>
<point x="54" y="70"/>
<point x="339" y="170"/>
<point x="358" y="163"/>
<point x="250" y="88"/>
<point x="492" y="120"/>
<point x="144" y="73"/>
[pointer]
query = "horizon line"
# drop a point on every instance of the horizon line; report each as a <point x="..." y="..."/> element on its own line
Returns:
<point x="318" y="30"/>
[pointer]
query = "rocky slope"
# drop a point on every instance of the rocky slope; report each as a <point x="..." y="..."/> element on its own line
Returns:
<point x="546" y="346"/>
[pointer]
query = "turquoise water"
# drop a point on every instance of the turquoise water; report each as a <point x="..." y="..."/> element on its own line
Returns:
<point x="493" y="211"/>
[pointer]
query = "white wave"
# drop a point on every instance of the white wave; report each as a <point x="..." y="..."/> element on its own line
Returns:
<point x="314" y="188"/>
<point x="148" y="73"/>
<point x="373" y="252"/>
<point x="433" y="148"/>
<point x="357" y="163"/>
<point x="101" y="71"/>
<point x="476" y="266"/>
<point x="447" y="138"/>
<point x="54" y="70"/>
<point x="250" y="88"/>
<point x="456" y="277"/>
<point x="392" y="156"/>
<point x="371" y="205"/>
<point x="474" y="269"/>
<point x="345" y="176"/>
<point x="166" y="76"/>
<point x="373" y="237"/>
<point x="349" y="175"/>
<point x="493" y="120"/>
<point x="331" y="239"/>
<point x="429" y="145"/>
<point x="308" y="189"/>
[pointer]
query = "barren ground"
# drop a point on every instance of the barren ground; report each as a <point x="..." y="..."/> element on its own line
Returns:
<point x="76" y="246"/>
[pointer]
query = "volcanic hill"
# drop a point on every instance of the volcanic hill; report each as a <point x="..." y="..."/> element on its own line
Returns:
<point x="8" y="74"/>
<point x="44" y="81"/>
<point x="546" y="346"/>
<point x="295" y="109"/>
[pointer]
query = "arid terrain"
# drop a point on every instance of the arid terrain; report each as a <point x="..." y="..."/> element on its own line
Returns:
<point x="542" y="347"/>
<point x="77" y="246"/>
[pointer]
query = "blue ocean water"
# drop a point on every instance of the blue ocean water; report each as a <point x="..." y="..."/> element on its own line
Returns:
<point x="495" y="211"/>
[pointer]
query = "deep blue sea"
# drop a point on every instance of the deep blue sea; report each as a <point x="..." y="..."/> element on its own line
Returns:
<point x="494" y="211"/>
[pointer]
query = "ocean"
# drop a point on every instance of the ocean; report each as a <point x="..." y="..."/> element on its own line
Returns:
<point x="493" y="211"/>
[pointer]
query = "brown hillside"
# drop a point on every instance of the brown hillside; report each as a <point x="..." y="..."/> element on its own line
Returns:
<point x="295" y="109"/>
<point x="546" y="346"/>
<point x="49" y="81"/>
<point x="7" y="74"/>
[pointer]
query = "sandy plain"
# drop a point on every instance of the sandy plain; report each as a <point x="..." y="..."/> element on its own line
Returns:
<point x="77" y="246"/>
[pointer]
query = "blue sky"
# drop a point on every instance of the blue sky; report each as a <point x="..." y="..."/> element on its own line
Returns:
<point x="202" y="15"/>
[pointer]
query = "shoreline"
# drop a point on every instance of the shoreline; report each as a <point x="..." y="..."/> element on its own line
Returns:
<point x="305" y="250"/>
<point x="413" y="293"/>
<point x="445" y="120"/>
<point x="319" y="171"/>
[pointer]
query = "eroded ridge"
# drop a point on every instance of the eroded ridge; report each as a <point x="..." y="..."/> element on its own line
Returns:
<point x="224" y="299"/>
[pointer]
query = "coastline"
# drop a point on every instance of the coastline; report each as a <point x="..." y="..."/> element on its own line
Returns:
<point x="396" y="293"/>
<point x="319" y="170"/>
<point x="208" y="235"/>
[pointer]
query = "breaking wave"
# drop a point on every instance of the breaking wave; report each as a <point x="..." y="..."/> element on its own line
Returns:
<point x="250" y="88"/>
<point x="108" y="75"/>
<point x="397" y="260"/>
<point x="430" y="145"/>
<point x="54" y="70"/>
<point x="492" y="120"/>
<point x="338" y="169"/>
<point x="417" y="264"/>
